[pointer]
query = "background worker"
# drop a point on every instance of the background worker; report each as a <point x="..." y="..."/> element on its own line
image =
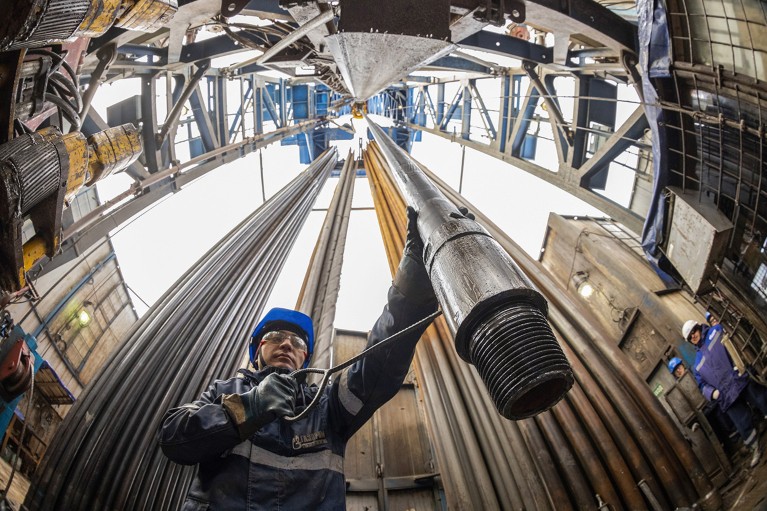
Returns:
<point x="248" y="456"/>
<point x="676" y="367"/>
<point x="720" y="381"/>
<point x="720" y="423"/>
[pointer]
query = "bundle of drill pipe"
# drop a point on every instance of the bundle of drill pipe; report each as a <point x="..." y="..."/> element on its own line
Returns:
<point x="105" y="456"/>
<point x="319" y="292"/>
<point x="609" y="437"/>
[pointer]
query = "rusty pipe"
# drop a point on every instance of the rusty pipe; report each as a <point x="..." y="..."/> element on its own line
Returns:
<point x="498" y="319"/>
<point x="630" y="450"/>
<point x="546" y="466"/>
<point x="606" y="445"/>
<point x="589" y="459"/>
<point x="571" y="470"/>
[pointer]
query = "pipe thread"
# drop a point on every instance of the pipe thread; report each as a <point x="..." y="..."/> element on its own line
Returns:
<point x="519" y="360"/>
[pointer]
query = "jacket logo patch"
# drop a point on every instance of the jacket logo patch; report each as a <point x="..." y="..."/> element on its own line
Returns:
<point x="310" y="440"/>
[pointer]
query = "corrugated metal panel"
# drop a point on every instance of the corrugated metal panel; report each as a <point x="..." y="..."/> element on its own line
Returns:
<point x="388" y="461"/>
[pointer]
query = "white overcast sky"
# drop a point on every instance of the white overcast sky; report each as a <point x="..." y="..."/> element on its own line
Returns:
<point x="158" y="246"/>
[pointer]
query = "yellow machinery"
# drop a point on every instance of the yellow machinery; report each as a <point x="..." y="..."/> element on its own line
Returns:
<point x="39" y="172"/>
<point x="39" y="22"/>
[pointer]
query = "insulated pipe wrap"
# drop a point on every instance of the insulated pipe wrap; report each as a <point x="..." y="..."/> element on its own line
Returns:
<point x="497" y="318"/>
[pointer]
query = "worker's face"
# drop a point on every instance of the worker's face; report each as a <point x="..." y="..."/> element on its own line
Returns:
<point x="679" y="371"/>
<point x="281" y="348"/>
<point x="695" y="337"/>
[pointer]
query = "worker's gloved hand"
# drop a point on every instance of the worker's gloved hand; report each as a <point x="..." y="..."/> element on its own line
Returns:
<point x="715" y="395"/>
<point x="464" y="212"/>
<point x="271" y="399"/>
<point x="411" y="278"/>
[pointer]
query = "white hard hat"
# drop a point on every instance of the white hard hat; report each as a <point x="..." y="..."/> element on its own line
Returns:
<point x="687" y="328"/>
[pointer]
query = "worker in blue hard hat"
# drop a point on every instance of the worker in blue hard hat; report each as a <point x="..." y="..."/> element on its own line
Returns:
<point x="249" y="455"/>
<point x="719" y="380"/>
<point x="676" y="367"/>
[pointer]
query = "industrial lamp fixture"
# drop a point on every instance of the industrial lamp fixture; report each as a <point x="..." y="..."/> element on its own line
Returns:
<point x="83" y="318"/>
<point x="582" y="284"/>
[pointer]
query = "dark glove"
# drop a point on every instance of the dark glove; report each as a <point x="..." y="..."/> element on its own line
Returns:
<point x="274" y="397"/>
<point x="465" y="213"/>
<point x="411" y="278"/>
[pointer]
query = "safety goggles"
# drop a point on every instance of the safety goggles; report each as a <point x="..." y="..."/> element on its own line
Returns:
<point x="279" y="336"/>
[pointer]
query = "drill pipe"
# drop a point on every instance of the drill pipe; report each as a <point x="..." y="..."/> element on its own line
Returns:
<point x="105" y="455"/>
<point x="517" y="471"/>
<point x="582" y="496"/>
<point x="319" y="292"/>
<point x="624" y="400"/>
<point x="584" y="450"/>
<point x="545" y="464"/>
<point x="610" y="454"/>
<point x="498" y="319"/>
<point x="467" y="468"/>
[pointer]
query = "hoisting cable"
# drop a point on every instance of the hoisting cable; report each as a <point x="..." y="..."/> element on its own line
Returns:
<point x="299" y="374"/>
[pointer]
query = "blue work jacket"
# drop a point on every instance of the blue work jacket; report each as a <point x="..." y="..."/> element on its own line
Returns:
<point x="298" y="465"/>
<point x="714" y="369"/>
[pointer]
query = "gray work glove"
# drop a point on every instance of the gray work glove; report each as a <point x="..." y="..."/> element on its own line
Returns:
<point x="411" y="278"/>
<point x="274" y="397"/>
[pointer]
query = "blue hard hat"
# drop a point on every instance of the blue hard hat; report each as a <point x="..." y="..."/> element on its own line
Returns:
<point x="673" y="364"/>
<point x="283" y="319"/>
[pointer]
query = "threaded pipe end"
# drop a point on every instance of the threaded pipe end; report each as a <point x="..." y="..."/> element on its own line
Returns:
<point x="520" y="360"/>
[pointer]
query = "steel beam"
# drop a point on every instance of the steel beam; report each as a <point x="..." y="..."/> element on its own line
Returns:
<point x="94" y="226"/>
<point x="202" y="118"/>
<point x="171" y="122"/>
<point x="623" y="138"/>
<point x="466" y="113"/>
<point x="485" y="116"/>
<point x="149" y="124"/>
<point x="507" y="46"/>
<point x="628" y="218"/>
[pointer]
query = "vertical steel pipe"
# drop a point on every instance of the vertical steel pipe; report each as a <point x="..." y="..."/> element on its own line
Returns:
<point x="319" y="292"/>
<point x="497" y="318"/>
<point x="589" y="459"/>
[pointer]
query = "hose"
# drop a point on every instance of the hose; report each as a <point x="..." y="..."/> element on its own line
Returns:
<point x="327" y="372"/>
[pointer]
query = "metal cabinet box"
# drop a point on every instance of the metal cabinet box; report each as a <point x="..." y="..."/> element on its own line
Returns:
<point x="696" y="240"/>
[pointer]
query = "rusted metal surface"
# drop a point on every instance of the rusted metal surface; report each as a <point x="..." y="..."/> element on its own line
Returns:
<point x="112" y="150"/>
